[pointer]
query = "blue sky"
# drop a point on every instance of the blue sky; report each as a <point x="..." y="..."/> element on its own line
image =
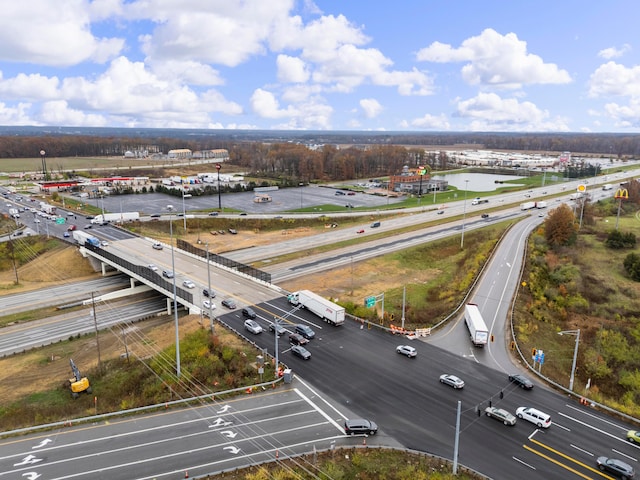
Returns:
<point x="409" y="65"/>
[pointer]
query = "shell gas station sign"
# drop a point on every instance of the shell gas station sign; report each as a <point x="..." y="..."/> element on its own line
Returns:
<point x="581" y="188"/>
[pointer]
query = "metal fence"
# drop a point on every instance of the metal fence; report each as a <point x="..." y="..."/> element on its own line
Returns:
<point x="142" y="271"/>
<point x="225" y="262"/>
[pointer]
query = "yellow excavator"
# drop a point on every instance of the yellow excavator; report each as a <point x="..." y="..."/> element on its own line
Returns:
<point x="79" y="384"/>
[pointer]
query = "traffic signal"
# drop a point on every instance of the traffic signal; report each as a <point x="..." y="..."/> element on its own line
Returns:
<point x="533" y="352"/>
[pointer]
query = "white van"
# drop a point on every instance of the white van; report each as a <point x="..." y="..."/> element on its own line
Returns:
<point x="538" y="418"/>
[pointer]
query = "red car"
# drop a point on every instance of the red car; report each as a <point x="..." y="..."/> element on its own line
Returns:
<point x="360" y="231"/>
<point x="71" y="227"/>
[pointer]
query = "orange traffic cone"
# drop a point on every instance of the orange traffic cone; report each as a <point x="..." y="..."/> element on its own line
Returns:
<point x="186" y="474"/>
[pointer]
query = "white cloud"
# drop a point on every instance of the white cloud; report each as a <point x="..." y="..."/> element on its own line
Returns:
<point x="613" y="52"/>
<point x="490" y="112"/>
<point x="58" y="113"/>
<point x="311" y="114"/>
<point x="58" y="34"/>
<point x="615" y="79"/>
<point x="266" y="105"/>
<point x="30" y="87"/>
<point x="496" y="60"/>
<point x="624" y="116"/>
<point x="428" y="122"/>
<point x="17" y="115"/>
<point x="371" y="107"/>
<point x="291" y="69"/>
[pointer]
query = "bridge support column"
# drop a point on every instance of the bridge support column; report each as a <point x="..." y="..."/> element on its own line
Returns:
<point x="132" y="282"/>
<point x="169" y="306"/>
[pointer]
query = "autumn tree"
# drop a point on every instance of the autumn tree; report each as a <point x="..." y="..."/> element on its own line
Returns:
<point x="560" y="227"/>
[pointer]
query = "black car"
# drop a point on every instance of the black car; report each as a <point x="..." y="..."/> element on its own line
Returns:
<point x="485" y="215"/>
<point x="87" y="226"/>
<point x="521" y="381"/>
<point x="301" y="352"/>
<point x="155" y="215"/>
<point x="297" y="339"/>
<point x="615" y="466"/>
<point x="248" y="312"/>
<point x="229" y="303"/>
<point x="209" y="293"/>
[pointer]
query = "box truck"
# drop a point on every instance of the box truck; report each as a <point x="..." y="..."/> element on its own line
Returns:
<point x="527" y="205"/>
<point x="477" y="328"/>
<point x="84" y="238"/>
<point x="328" y="311"/>
<point x="116" y="217"/>
<point x="541" y="204"/>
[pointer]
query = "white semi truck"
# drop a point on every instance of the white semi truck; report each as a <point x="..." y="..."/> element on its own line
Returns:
<point x="328" y="311"/>
<point x="475" y="323"/>
<point x="84" y="238"/>
<point x="527" y="205"/>
<point x="116" y="217"/>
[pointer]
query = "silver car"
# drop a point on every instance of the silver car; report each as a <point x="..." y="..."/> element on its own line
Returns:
<point x="501" y="415"/>
<point x="252" y="326"/>
<point x="406" y="350"/>
<point x="451" y="380"/>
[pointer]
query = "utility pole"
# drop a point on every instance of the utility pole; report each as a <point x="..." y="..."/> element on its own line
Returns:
<point x="209" y="289"/>
<point x="95" y="324"/>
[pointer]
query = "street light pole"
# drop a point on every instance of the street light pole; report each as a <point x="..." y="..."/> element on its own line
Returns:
<point x="184" y="213"/>
<point x="175" y="292"/>
<point x="464" y="212"/>
<point x="43" y="156"/>
<point x="211" y="306"/>
<point x="575" y="353"/>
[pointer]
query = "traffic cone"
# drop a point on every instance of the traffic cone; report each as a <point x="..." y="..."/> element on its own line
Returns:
<point x="186" y="474"/>
<point x="364" y="441"/>
<point x="277" y="454"/>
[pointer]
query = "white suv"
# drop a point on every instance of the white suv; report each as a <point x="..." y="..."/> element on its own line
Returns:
<point x="538" y="418"/>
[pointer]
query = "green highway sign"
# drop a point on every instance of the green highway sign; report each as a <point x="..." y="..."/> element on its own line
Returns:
<point x="60" y="220"/>
<point x="369" y="302"/>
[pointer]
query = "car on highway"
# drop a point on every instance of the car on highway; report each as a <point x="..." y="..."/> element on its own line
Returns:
<point x="155" y="215"/>
<point x="153" y="267"/>
<point x="65" y="234"/>
<point x="208" y="293"/>
<point x="451" y="380"/>
<point x="88" y="217"/>
<point x="252" y="326"/>
<point x="208" y="304"/>
<point x="167" y="274"/>
<point x="213" y="214"/>
<point x="297" y="339"/>
<point x="616" y="467"/>
<point x="305" y="331"/>
<point x="485" y="215"/>
<point x="300" y="351"/>
<point x="351" y="193"/>
<point x="360" y="231"/>
<point x="248" y="312"/>
<point x="406" y="350"/>
<point x="188" y="284"/>
<point x="538" y="418"/>
<point x="88" y="226"/>
<point x="440" y="212"/>
<point x="521" y="381"/>
<point x="157" y="246"/>
<point x="360" y="426"/>
<point x="230" y="303"/>
<point x="71" y="228"/>
<point x="500" y="415"/>
<point x="633" y="436"/>
<point x="104" y="243"/>
<point x="273" y="327"/>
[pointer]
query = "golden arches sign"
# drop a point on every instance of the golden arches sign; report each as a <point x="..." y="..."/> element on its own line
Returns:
<point x="622" y="193"/>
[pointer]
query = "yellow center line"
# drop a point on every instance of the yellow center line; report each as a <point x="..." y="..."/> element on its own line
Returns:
<point x="566" y="457"/>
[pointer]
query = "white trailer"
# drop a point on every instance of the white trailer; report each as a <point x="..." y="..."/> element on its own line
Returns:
<point x="477" y="328"/>
<point x="541" y="204"/>
<point x="84" y="238"/>
<point x="527" y="205"/>
<point x="328" y="311"/>
<point x="116" y="217"/>
<point x="46" y="208"/>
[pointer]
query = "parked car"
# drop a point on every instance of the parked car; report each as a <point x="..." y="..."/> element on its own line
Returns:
<point x="233" y="231"/>
<point x="157" y="246"/>
<point x="252" y="326"/>
<point x="248" y="312"/>
<point x="229" y="303"/>
<point x="538" y="418"/>
<point x="209" y="293"/>
<point x="616" y="467"/>
<point x="501" y="415"/>
<point x="300" y="351"/>
<point x="406" y="350"/>
<point x="521" y="381"/>
<point x="451" y="380"/>
<point x="208" y="304"/>
<point x="360" y="426"/>
<point x="305" y="331"/>
<point x="188" y="284"/>
<point x="167" y="274"/>
<point x="297" y="339"/>
<point x="276" y="326"/>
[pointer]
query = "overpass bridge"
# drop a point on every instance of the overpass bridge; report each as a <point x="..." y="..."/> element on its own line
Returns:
<point x="227" y="278"/>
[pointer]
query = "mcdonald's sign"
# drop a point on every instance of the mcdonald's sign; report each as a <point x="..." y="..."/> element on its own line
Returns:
<point x="622" y="193"/>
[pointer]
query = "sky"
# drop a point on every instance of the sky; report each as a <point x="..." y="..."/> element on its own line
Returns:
<point x="374" y="65"/>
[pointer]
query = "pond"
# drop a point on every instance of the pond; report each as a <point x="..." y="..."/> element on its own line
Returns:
<point x="478" y="182"/>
